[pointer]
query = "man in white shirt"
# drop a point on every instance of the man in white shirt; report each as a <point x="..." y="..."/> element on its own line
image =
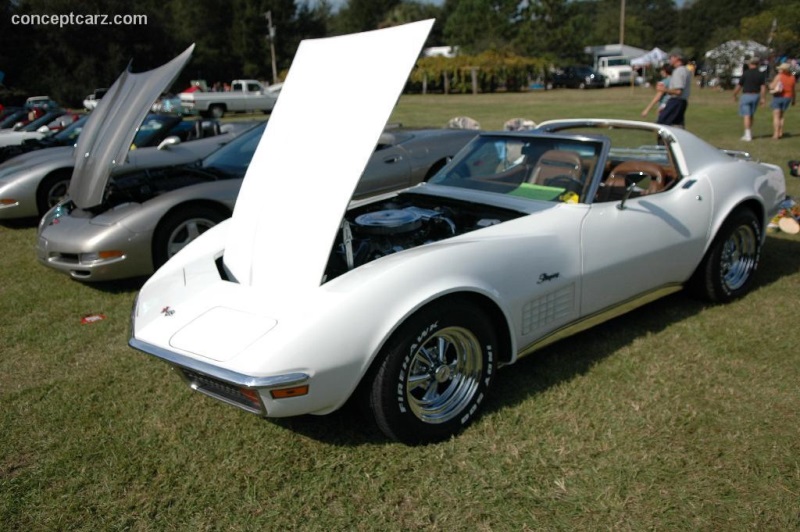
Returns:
<point x="680" y="86"/>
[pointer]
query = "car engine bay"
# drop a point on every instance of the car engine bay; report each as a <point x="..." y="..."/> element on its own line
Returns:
<point x="404" y="222"/>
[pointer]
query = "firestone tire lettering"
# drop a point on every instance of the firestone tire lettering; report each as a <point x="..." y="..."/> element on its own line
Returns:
<point x="433" y="375"/>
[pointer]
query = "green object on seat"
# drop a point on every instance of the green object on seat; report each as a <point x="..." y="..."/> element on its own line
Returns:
<point x="537" y="192"/>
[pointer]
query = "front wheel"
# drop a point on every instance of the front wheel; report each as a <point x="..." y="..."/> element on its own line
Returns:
<point x="434" y="373"/>
<point x="51" y="190"/>
<point x="730" y="264"/>
<point x="179" y="228"/>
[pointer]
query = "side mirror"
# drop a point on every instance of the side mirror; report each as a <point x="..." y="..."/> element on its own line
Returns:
<point x="43" y="129"/>
<point x="169" y="141"/>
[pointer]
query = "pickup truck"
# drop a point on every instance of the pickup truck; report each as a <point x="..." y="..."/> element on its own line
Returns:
<point x="245" y="96"/>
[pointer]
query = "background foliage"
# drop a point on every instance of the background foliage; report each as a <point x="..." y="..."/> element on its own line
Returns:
<point x="69" y="62"/>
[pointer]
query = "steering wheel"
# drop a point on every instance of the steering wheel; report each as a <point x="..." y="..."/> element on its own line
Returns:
<point x="566" y="182"/>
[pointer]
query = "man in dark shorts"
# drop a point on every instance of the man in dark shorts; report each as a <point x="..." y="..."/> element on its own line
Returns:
<point x="680" y="86"/>
<point x="753" y="87"/>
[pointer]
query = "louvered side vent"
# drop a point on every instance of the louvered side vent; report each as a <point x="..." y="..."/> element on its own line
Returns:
<point x="556" y="305"/>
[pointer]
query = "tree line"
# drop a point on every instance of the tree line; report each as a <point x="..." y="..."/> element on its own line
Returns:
<point x="233" y="38"/>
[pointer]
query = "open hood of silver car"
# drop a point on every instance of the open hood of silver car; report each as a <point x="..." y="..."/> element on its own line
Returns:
<point x="296" y="176"/>
<point x="107" y="135"/>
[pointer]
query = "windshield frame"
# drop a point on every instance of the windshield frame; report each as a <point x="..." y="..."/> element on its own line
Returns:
<point x="168" y="122"/>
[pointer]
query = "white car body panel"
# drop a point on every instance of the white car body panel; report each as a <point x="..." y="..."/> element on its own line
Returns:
<point x="333" y="173"/>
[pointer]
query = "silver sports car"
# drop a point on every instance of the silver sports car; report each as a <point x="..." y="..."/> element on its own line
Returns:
<point x="128" y="224"/>
<point x="410" y="304"/>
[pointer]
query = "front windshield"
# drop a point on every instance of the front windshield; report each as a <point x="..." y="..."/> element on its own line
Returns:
<point x="12" y="119"/>
<point x="234" y="158"/>
<point x="152" y="126"/>
<point x="71" y="132"/>
<point x="544" y="168"/>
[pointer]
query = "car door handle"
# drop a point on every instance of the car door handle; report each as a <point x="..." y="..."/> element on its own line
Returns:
<point x="393" y="159"/>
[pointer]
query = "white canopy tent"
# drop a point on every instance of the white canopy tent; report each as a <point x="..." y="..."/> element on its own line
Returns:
<point x="656" y="56"/>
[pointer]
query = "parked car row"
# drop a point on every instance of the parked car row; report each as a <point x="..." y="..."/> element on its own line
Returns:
<point x="136" y="223"/>
<point x="38" y="125"/>
<point x="33" y="182"/>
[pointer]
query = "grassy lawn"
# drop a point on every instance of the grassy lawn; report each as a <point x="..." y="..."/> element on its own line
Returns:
<point x="677" y="416"/>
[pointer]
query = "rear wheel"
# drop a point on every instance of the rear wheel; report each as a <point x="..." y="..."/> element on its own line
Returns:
<point x="51" y="190"/>
<point x="728" y="268"/>
<point x="216" y="111"/>
<point x="181" y="227"/>
<point x="434" y="373"/>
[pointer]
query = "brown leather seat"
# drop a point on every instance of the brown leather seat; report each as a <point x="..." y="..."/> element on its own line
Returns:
<point x="556" y="163"/>
<point x="613" y="188"/>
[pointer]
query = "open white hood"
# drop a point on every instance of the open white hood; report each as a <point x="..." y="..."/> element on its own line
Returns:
<point x="298" y="185"/>
<point x="107" y="135"/>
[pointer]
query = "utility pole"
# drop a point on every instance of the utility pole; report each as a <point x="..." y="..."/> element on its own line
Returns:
<point x="271" y="37"/>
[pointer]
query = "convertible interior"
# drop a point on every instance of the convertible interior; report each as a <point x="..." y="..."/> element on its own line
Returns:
<point x="560" y="169"/>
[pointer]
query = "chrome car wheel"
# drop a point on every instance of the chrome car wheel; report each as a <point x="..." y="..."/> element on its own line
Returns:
<point x="444" y="375"/>
<point x="739" y="257"/>
<point x="727" y="270"/>
<point x="434" y="373"/>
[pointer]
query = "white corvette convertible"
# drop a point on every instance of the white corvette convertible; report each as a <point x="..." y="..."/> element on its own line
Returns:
<point x="411" y="302"/>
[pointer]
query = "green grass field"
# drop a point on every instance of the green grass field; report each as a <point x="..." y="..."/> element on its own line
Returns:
<point x="677" y="416"/>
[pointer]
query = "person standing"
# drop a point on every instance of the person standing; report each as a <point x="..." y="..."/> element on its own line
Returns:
<point x="783" y="96"/>
<point x="660" y="97"/>
<point x="753" y="88"/>
<point x="680" y="86"/>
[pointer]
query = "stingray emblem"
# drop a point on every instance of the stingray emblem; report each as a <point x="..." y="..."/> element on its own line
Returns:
<point x="166" y="311"/>
<point x="547" y="277"/>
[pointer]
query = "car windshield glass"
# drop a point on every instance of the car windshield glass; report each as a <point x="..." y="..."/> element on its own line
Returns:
<point x="72" y="131"/>
<point x="151" y="128"/>
<point x="41" y="121"/>
<point x="234" y="158"/>
<point x="12" y="119"/>
<point x="540" y="168"/>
